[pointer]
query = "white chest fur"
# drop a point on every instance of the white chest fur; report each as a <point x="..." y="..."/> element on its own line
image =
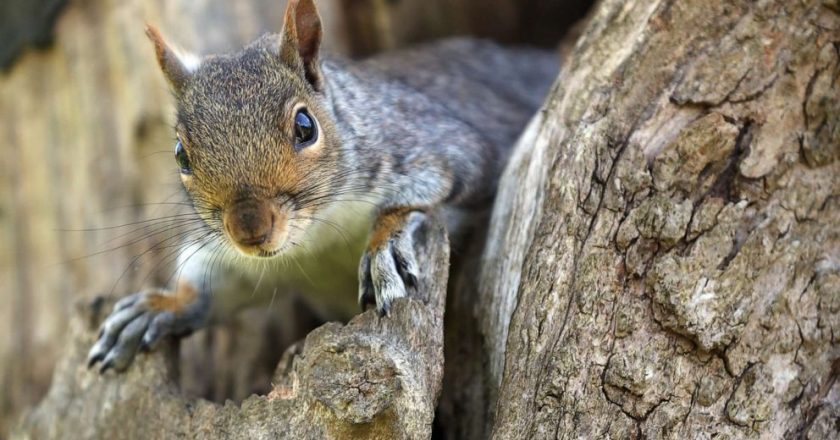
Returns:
<point x="323" y="269"/>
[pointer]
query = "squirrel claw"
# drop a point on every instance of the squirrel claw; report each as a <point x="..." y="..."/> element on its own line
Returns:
<point x="135" y="326"/>
<point x="367" y="298"/>
<point x="105" y="366"/>
<point x="93" y="358"/>
<point x="390" y="272"/>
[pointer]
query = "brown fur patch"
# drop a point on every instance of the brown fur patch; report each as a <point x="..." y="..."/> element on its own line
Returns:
<point x="387" y="224"/>
<point x="302" y="38"/>
<point x="183" y="296"/>
<point x="170" y="64"/>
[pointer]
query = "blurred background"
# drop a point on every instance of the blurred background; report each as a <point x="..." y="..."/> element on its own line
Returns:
<point x="86" y="157"/>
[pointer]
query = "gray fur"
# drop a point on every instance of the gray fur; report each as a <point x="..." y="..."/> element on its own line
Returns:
<point x="442" y="117"/>
<point x="392" y="272"/>
<point x="424" y="129"/>
<point x="133" y="325"/>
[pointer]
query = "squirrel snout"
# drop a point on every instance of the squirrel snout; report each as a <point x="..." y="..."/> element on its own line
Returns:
<point x="250" y="224"/>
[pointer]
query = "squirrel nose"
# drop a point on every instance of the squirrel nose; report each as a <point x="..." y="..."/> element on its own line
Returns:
<point x="249" y="222"/>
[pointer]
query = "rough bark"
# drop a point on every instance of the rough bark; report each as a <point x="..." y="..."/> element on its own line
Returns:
<point x="677" y="274"/>
<point x="375" y="377"/>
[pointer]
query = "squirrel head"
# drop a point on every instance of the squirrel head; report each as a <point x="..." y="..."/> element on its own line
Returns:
<point x="257" y="146"/>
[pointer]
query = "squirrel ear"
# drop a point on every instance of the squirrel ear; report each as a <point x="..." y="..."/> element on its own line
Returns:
<point x="177" y="67"/>
<point x="301" y="39"/>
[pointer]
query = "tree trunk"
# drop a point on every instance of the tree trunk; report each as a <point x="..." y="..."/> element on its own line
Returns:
<point x="667" y="249"/>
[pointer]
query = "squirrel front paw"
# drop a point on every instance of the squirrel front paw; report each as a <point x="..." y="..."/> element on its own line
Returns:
<point x="138" y="321"/>
<point x="389" y="267"/>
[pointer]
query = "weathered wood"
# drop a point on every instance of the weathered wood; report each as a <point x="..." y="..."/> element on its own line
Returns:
<point x="672" y="236"/>
<point x="375" y="377"/>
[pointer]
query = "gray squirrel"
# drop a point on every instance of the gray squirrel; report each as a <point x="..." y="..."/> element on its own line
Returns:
<point x="310" y="174"/>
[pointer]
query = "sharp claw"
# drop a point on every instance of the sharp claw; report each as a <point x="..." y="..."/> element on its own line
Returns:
<point x="148" y="340"/>
<point x="93" y="359"/>
<point x="106" y="365"/>
<point x="133" y="327"/>
<point x="96" y="353"/>
<point x="411" y="281"/>
<point x="367" y="299"/>
<point x="386" y="275"/>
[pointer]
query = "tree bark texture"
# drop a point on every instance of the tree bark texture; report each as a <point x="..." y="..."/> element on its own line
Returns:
<point x="677" y="274"/>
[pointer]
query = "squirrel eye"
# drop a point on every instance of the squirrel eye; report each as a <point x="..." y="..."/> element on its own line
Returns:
<point x="306" y="131"/>
<point x="182" y="159"/>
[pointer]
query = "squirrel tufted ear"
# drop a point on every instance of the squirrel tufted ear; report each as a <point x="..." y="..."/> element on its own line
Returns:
<point x="176" y="66"/>
<point x="301" y="39"/>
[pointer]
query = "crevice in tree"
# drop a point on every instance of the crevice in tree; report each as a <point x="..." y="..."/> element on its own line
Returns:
<point x="734" y="89"/>
<point x="755" y="95"/>
<point x="813" y="411"/>
<point x="723" y="184"/>
<point x="735" y="386"/>
<point x="691" y="403"/>
<point x="742" y="233"/>
<point x="809" y="90"/>
<point x="724" y="357"/>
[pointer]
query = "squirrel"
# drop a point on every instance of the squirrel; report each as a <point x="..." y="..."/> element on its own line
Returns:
<point x="310" y="173"/>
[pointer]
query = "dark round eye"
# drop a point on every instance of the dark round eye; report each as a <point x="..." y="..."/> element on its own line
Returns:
<point x="182" y="159"/>
<point x="306" y="131"/>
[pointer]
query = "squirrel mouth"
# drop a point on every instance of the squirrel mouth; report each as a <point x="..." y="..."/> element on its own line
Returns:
<point x="269" y="248"/>
<point x="267" y="254"/>
<point x="258" y="251"/>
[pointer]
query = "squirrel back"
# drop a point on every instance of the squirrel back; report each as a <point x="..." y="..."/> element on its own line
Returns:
<point x="466" y="97"/>
<point x="496" y="89"/>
